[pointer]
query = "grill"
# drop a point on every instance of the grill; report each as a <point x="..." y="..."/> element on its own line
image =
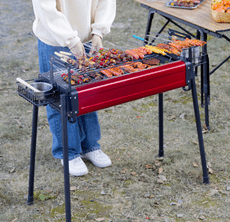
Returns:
<point x="116" y="90"/>
<point x="71" y="101"/>
<point x="108" y="92"/>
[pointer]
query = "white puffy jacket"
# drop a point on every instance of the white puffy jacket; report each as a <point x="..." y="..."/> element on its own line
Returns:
<point x="66" y="22"/>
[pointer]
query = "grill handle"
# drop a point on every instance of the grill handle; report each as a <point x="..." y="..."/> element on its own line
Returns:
<point x="54" y="59"/>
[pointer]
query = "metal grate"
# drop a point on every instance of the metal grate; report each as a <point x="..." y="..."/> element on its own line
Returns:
<point x="64" y="87"/>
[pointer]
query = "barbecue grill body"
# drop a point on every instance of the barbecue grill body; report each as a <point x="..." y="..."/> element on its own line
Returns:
<point x="118" y="90"/>
<point x="73" y="101"/>
<point x="121" y="89"/>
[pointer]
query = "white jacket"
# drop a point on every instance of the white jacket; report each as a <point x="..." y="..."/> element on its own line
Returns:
<point x="66" y="22"/>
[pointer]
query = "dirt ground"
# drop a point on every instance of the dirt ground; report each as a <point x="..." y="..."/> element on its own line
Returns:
<point x="138" y="186"/>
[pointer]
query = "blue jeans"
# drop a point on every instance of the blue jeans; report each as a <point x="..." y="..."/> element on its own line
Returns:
<point x="83" y="136"/>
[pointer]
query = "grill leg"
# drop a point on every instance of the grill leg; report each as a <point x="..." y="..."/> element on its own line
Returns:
<point x="32" y="156"/>
<point x="65" y="156"/>
<point x="161" y="130"/>
<point x="199" y="132"/>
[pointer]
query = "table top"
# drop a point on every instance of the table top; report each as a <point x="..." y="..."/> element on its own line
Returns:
<point x="200" y="16"/>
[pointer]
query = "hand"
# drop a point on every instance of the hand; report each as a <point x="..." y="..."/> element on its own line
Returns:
<point x="96" y="44"/>
<point x="78" y="50"/>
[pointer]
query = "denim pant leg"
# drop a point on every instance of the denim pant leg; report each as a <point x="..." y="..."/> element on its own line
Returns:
<point x="75" y="135"/>
<point x="86" y="130"/>
<point x="91" y="128"/>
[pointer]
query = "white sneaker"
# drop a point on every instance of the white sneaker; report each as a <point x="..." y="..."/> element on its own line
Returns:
<point x="98" y="158"/>
<point x="76" y="167"/>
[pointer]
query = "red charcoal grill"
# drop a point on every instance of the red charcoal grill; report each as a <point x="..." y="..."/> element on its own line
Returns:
<point x="72" y="101"/>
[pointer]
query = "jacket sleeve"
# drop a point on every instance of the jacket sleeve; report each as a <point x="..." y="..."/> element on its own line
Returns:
<point x="56" y="23"/>
<point x="104" y="17"/>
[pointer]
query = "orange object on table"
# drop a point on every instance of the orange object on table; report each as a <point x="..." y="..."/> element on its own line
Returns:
<point x="220" y="11"/>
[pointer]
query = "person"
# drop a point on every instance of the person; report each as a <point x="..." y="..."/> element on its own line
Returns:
<point x="64" y="25"/>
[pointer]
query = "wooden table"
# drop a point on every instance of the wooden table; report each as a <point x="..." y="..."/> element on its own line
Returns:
<point x="199" y="19"/>
<point x="200" y="16"/>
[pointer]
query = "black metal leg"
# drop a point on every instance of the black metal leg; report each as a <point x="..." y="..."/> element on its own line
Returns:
<point x="202" y="69"/>
<point x="225" y="60"/>
<point x="65" y="157"/>
<point x="207" y="91"/>
<point x="148" y="27"/>
<point x="218" y="66"/>
<point x="179" y="26"/>
<point x="202" y="85"/>
<point x="197" y="34"/>
<point x="197" y="37"/>
<point x="199" y="132"/>
<point x="207" y="112"/>
<point x="32" y="156"/>
<point x="161" y="129"/>
<point x="161" y="30"/>
<point x="206" y="81"/>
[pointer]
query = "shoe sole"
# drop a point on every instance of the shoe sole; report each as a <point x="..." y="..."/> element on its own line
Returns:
<point x="77" y="175"/>
<point x="95" y="164"/>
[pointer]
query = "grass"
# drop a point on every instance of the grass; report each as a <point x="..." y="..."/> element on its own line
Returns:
<point x="131" y="191"/>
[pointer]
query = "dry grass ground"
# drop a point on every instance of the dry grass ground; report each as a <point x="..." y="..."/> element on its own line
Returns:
<point x="129" y="190"/>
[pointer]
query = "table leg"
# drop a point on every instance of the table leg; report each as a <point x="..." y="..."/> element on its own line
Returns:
<point x="206" y="84"/>
<point x="207" y="91"/>
<point x="159" y="32"/>
<point x="201" y="35"/>
<point x="199" y="132"/>
<point x="197" y="37"/>
<point x="161" y="127"/>
<point x="225" y="60"/>
<point x="202" y="86"/>
<point x="205" y="80"/>
<point x="148" y="27"/>
<point x="65" y="156"/>
<point x="30" y="198"/>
